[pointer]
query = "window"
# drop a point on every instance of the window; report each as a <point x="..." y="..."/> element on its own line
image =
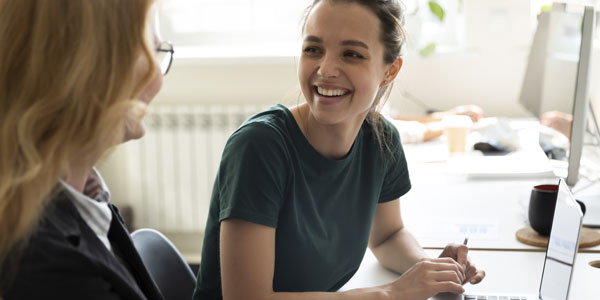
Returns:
<point x="271" y="28"/>
<point x="435" y="25"/>
<point x="233" y="28"/>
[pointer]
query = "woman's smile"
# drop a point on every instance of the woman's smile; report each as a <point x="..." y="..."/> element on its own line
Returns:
<point x="329" y="95"/>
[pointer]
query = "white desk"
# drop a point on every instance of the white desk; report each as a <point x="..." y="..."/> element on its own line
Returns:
<point x="442" y="210"/>
<point x="443" y="207"/>
<point x="506" y="272"/>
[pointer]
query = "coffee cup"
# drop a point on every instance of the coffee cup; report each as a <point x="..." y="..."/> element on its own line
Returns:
<point x="456" y="130"/>
<point x="541" y="207"/>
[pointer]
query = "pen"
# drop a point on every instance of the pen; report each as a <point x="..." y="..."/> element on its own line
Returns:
<point x="465" y="243"/>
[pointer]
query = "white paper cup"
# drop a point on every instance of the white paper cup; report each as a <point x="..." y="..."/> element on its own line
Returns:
<point x="456" y="130"/>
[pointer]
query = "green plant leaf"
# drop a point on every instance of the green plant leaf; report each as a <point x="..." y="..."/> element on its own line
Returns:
<point x="546" y="8"/>
<point x="437" y="10"/>
<point x="427" y="50"/>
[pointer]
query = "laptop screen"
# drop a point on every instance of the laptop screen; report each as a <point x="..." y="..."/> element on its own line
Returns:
<point x="562" y="246"/>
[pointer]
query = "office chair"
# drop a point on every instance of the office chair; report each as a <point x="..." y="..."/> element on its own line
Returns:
<point x="165" y="264"/>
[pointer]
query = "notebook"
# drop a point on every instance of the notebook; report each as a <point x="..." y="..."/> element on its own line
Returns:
<point x="560" y="255"/>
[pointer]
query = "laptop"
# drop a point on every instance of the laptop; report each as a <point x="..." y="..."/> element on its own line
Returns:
<point x="560" y="255"/>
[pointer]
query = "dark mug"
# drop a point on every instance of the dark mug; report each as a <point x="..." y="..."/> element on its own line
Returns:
<point x="541" y="207"/>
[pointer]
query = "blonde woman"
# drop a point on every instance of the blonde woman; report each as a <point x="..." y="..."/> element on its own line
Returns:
<point x="75" y="77"/>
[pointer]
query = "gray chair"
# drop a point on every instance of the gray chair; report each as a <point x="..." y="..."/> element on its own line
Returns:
<point x="164" y="262"/>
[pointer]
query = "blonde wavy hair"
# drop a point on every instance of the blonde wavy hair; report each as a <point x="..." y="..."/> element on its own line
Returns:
<point x="67" y="86"/>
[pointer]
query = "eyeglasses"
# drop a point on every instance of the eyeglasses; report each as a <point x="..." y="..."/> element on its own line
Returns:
<point x="164" y="56"/>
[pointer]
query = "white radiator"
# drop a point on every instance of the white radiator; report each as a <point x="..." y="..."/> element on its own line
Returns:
<point x="167" y="176"/>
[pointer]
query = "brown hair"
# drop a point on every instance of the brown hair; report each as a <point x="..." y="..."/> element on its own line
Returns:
<point x="67" y="86"/>
<point x="392" y="36"/>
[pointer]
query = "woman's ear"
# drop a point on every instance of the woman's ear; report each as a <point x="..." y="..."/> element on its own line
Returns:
<point x="392" y="72"/>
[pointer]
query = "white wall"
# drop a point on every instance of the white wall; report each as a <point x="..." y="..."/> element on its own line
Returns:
<point x="487" y="72"/>
<point x="491" y="80"/>
<point x="236" y="80"/>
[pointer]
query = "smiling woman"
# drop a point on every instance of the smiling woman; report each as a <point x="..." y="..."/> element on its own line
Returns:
<point x="302" y="192"/>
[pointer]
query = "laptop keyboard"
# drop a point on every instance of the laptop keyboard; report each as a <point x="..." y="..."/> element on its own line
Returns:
<point x="470" y="297"/>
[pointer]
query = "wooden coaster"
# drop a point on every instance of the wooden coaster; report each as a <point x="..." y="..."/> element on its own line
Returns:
<point x="526" y="235"/>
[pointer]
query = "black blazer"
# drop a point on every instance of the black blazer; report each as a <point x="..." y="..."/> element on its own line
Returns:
<point x="64" y="259"/>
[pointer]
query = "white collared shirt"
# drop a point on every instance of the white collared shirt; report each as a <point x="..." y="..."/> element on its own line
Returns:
<point x="95" y="212"/>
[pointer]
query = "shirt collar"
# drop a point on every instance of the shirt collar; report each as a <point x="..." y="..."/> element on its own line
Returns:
<point x="95" y="212"/>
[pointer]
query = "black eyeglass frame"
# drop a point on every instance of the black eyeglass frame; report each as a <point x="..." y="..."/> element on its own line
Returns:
<point x="166" y="47"/>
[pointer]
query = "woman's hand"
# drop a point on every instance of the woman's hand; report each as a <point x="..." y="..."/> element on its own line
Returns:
<point x="559" y="121"/>
<point x="459" y="254"/>
<point x="472" y="111"/>
<point x="427" y="278"/>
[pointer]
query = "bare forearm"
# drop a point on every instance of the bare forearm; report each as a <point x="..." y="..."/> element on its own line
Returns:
<point x="434" y="130"/>
<point x="399" y="252"/>
<point x="422" y="119"/>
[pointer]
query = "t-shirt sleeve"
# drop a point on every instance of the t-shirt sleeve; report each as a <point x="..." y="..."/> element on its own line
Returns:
<point x="396" y="182"/>
<point x="252" y="175"/>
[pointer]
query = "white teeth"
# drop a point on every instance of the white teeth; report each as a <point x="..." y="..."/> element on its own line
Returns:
<point x="330" y="92"/>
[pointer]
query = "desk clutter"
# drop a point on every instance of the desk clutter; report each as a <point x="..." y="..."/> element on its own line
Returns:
<point x="526" y="235"/>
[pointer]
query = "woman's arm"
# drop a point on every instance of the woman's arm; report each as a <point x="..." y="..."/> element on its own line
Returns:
<point x="393" y="245"/>
<point x="397" y="249"/>
<point x="248" y="264"/>
<point x="473" y="111"/>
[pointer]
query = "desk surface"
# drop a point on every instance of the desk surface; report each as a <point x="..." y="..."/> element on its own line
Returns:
<point x="513" y="272"/>
<point x="445" y="207"/>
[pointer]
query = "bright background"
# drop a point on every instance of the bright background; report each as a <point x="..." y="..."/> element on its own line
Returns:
<point x="245" y="51"/>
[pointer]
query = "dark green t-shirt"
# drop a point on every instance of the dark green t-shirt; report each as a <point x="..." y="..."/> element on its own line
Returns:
<point x="322" y="209"/>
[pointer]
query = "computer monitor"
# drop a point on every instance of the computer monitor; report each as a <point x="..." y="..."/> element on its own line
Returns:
<point x="582" y="95"/>
<point x="557" y="77"/>
<point x="530" y="96"/>
<point x="549" y="62"/>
